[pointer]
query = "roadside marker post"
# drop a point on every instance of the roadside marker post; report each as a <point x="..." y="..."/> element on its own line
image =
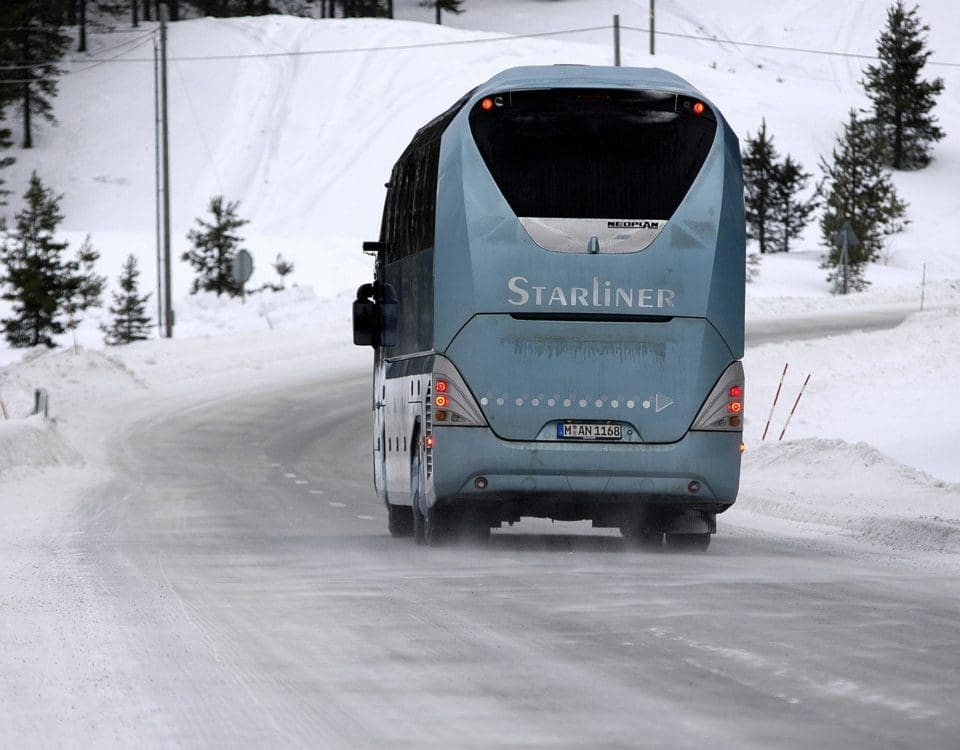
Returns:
<point x="776" y="397"/>
<point x="790" y="416"/>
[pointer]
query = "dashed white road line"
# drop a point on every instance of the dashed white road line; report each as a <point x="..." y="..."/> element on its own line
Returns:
<point x="337" y="505"/>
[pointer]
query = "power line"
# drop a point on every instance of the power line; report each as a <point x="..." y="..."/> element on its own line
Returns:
<point x="84" y="60"/>
<point x="93" y="63"/>
<point x="457" y="43"/>
<point x="776" y="47"/>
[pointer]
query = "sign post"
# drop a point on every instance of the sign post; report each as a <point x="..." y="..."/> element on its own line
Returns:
<point x="846" y="238"/>
<point x="241" y="268"/>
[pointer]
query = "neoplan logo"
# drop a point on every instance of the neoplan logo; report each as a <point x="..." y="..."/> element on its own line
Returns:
<point x="633" y="224"/>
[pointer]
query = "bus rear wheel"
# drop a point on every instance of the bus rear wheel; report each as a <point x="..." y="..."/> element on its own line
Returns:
<point x="445" y="525"/>
<point x="688" y="542"/>
<point x="419" y="522"/>
<point x="642" y="538"/>
<point x="399" y="520"/>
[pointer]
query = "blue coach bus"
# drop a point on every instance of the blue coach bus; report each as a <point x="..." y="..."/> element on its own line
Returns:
<point x="557" y="311"/>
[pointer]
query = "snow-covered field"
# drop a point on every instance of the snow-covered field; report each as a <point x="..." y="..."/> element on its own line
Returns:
<point x="305" y="142"/>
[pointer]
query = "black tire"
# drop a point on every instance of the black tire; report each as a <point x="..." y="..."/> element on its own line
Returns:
<point x="642" y="538"/>
<point x="439" y="527"/>
<point x="688" y="542"/>
<point x="416" y="491"/>
<point x="475" y="531"/>
<point x="399" y="520"/>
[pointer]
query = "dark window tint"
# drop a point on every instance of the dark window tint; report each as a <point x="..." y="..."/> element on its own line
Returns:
<point x="411" y="205"/>
<point x="409" y="212"/>
<point x="571" y="153"/>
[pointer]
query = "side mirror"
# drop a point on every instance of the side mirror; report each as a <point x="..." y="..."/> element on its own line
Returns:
<point x="389" y="317"/>
<point x="365" y="317"/>
<point x="376" y="323"/>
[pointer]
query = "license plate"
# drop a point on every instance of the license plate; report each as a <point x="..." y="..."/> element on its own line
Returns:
<point x="588" y="431"/>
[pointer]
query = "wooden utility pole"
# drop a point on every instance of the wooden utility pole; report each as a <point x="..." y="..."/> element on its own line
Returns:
<point x="653" y="26"/>
<point x="616" y="40"/>
<point x="165" y="158"/>
<point x="82" y="46"/>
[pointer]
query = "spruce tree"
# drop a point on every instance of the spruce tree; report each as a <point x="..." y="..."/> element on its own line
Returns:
<point x="84" y="287"/>
<point x="5" y="161"/>
<point x="902" y="102"/>
<point x="31" y="43"/>
<point x="215" y="243"/>
<point x="759" y="168"/>
<point x="451" y="6"/>
<point x="857" y="188"/>
<point x="283" y="268"/>
<point x="790" y="212"/>
<point x="129" y="309"/>
<point x="46" y="289"/>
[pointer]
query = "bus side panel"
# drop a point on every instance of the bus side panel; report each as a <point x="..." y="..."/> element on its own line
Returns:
<point x="728" y="277"/>
<point x="412" y="280"/>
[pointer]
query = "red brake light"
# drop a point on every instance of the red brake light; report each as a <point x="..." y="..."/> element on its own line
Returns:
<point x="736" y="391"/>
<point x="441" y="386"/>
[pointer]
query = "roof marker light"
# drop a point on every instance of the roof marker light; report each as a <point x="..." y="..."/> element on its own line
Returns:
<point x="487" y="104"/>
<point x="699" y="108"/>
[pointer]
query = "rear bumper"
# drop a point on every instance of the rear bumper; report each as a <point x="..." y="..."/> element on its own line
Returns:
<point x="579" y="479"/>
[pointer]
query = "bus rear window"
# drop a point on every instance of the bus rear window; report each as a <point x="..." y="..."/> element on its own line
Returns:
<point x="593" y="154"/>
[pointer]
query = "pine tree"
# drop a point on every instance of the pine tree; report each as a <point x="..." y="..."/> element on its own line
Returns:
<point x="902" y="103"/>
<point x="753" y="266"/>
<point x="5" y="161"/>
<point x="84" y="288"/>
<point x="30" y="44"/>
<point x="46" y="290"/>
<point x="283" y="268"/>
<point x="759" y="168"/>
<point x="214" y="246"/>
<point x="129" y="309"/>
<point x="857" y="188"/>
<point x="790" y="213"/>
<point x="451" y="6"/>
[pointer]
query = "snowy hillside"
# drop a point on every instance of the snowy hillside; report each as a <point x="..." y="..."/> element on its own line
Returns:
<point x="300" y="120"/>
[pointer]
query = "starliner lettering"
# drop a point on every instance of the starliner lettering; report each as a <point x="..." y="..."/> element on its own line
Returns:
<point x="598" y="294"/>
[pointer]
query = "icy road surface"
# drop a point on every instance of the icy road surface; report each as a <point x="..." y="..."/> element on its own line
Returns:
<point x="258" y="601"/>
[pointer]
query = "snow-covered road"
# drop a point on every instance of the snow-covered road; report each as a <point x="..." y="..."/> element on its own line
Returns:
<point x="241" y="590"/>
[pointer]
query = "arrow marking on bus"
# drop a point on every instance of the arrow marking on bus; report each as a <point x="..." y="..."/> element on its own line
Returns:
<point x="662" y="402"/>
